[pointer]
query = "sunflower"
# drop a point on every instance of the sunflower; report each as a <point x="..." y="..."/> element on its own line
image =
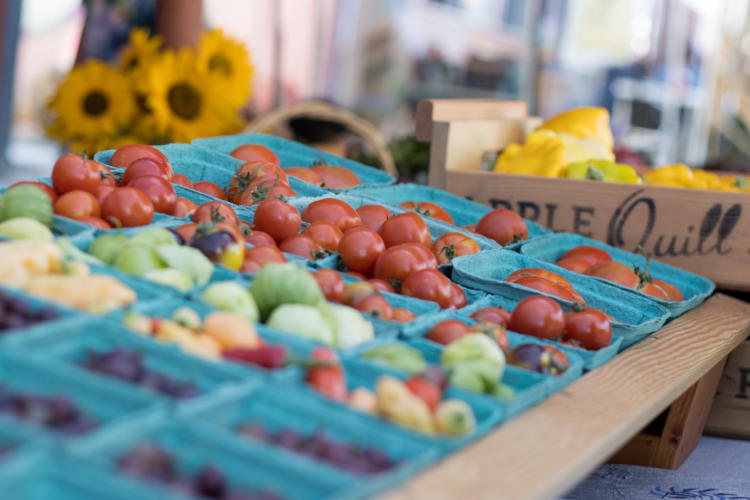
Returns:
<point x="228" y="62"/>
<point x="93" y="101"/>
<point x="185" y="101"/>
<point x="142" y="50"/>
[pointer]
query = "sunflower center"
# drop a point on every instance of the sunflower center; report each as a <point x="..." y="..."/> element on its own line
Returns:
<point x="95" y="103"/>
<point x="219" y="63"/>
<point x="132" y="63"/>
<point x="142" y="103"/>
<point x="184" y="100"/>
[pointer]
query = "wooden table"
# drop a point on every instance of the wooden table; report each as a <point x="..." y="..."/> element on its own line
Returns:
<point x="546" y="451"/>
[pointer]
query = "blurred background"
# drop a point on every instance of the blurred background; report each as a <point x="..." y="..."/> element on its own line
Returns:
<point x="672" y="73"/>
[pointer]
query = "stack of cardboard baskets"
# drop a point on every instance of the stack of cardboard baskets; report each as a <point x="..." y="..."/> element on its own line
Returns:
<point x="203" y="429"/>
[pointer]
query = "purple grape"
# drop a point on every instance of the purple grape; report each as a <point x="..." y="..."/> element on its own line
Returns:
<point x="344" y="456"/>
<point x="46" y="314"/>
<point x="129" y="367"/>
<point x="56" y="413"/>
<point x="210" y="482"/>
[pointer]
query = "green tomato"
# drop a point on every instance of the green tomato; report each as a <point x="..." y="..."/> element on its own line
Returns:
<point x="138" y="260"/>
<point x="397" y="355"/>
<point x="277" y="284"/>
<point x="170" y="277"/>
<point x="233" y="297"/>
<point x="107" y="247"/>
<point x="303" y="321"/>
<point x="190" y="261"/>
<point x="25" y="228"/>
<point x="153" y="237"/>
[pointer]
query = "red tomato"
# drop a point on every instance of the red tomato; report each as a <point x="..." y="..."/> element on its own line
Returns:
<point x="213" y="212"/>
<point x="304" y="174"/>
<point x="160" y="192"/>
<point x="325" y="234"/>
<point x="546" y="286"/>
<point x="373" y="216"/>
<point x="72" y="172"/>
<point x="458" y="297"/>
<point x="331" y="284"/>
<point x="264" y="190"/>
<point x="257" y="238"/>
<point x="249" y="175"/>
<point x="304" y="246"/>
<point x="398" y="262"/>
<point x="44" y="187"/>
<point x="354" y="292"/>
<point x="328" y="379"/>
<point x="429" y="209"/>
<point x="105" y="175"/>
<point x="96" y="222"/>
<point x="405" y="228"/>
<point x="187" y="231"/>
<point x="591" y="254"/>
<point x="503" y="226"/>
<point x="77" y="205"/>
<point x="128" y="206"/>
<point x="429" y="284"/>
<point x="401" y="315"/>
<point x="375" y="305"/>
<point x="614" y="271"/>
<point x="277" y="218"/>
<point x="574" y="264"/>
<point x="539" y="316"/>
<point x="126" y="155"/>
<point x="451" y="245"/>
<point x="360" y="248"/>
<point x="588" y="328"/>
<point x="210" y="189"/>
<point x="182" y="180"/>
<point x="654" y="290"/>
<point x="102" y="191"/>
<point x="257" y="257"/>
<point x="426" y="390"/>
<point x="425" y="253"/>
<point x="184" y="208"/>
<point x="447" y="331"/>
<point x="381" y="285"/>
<point x="333" y="177"/>
<point x="255" y="152"/>
<point x="141" y="168"/>
<point x="493" y="315"/>
<point x="495" y="332"/>
<point x="672" y="291"/>
<point x="332" y="210"/>
<point x="542" y="273"/>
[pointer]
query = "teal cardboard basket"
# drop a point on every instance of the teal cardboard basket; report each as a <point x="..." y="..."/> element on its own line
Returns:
<point x="108" y="406"/>
<point x="303" y="412"/>
<point x="359" y="373"/>
<point x="694" y="288"/>
<point x="577" y="357"/>
<point x="35" y="304"/>
<point x="69" y="347"/>
<point x="486" y="271"/>
<point x="247" y="466"/>
<point x="295" y="154"/>
<point x="463" y="211"/>
<point x="53" y="476"/>
<point x="529" y="387"/>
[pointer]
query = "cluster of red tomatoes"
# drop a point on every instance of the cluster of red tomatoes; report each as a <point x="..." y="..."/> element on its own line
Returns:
<point x="594" y="261"/>
<point x="87" y="191"/>
<point x="396" y="250"/>
<point x="537" y="316"/>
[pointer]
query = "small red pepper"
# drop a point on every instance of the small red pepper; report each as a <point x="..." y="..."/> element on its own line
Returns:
<point x="270" y="356"/>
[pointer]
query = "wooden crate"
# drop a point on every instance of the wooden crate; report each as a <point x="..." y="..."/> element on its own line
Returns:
<point x="706" y="232"/>
<point x="730" y="414"/>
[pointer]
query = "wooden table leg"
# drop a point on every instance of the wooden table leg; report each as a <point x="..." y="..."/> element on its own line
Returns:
<point x="667" y="442"/>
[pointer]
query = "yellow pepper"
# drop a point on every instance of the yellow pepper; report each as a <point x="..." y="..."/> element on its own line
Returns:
<point x="708" y="180"/>
<point x="543" y="154"/>
<point x="672" y="175"/>
<point x="584" y="123"/>
<point x="603" y="170"/>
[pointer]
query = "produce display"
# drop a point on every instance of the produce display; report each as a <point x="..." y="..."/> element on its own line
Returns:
<point x="577" y="144"/>
<point x="193" y="277"/>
